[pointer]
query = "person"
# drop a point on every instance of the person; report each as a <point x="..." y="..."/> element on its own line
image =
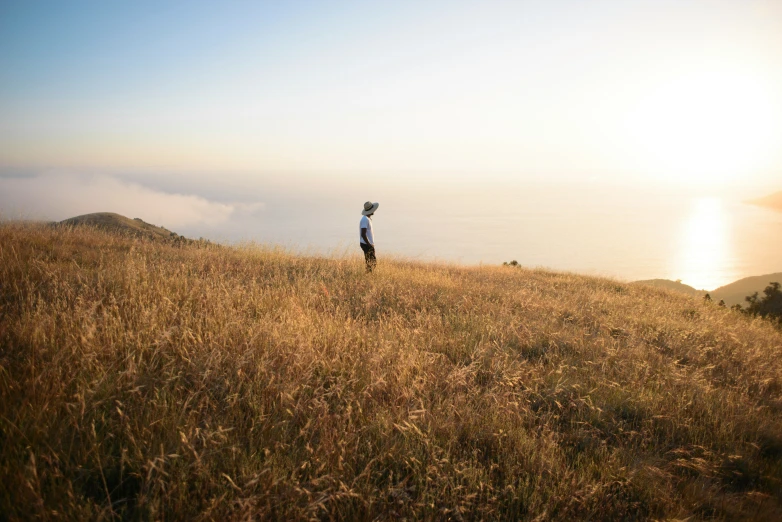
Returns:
<point x="366" y="236"/>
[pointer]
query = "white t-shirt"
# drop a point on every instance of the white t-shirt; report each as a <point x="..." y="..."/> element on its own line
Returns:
<point x="366" y="222"/>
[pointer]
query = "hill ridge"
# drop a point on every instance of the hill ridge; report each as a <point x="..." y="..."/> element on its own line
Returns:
<point x="732" y="293"/>
<point x="117" y="223"/>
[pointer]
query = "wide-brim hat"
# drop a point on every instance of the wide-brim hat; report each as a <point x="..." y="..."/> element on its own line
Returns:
<point x="369" y="208"/>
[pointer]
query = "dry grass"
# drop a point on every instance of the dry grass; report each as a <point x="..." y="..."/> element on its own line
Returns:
<point x="149" y="381"/>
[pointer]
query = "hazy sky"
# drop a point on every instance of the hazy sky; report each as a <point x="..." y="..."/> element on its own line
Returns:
<point x="672" y="91"/>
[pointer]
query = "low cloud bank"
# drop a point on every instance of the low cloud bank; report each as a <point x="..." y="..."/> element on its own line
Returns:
<point x="58" y="196"/>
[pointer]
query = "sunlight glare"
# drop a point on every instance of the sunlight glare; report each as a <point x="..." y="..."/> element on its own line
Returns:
<point x="703" y="245"/>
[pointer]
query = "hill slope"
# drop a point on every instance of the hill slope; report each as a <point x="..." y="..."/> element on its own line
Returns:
<point x="116" y="223"/>
<point x="735" y="292"/>
<point x="676" y="286"/>
<point x="146" y="381"/>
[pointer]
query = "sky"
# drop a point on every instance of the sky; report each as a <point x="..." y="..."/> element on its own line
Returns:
<point x="204" y="110"/>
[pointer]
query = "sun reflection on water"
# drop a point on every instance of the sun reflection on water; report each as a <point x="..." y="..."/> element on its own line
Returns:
<point x="704" y="247"/>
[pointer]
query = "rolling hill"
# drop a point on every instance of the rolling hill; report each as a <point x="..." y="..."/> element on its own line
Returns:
<point x="676" y="286"/>
<point x="116" y="223"/>
<point x="735" y="292"/>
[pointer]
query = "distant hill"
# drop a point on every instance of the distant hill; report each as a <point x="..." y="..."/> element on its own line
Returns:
<point x="735" y="293"/>
<point x="773" y="201"/>
<point x="116" y="223"/>
<point x="671" y="285"/>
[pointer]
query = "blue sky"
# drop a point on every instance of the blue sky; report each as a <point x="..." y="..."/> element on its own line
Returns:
<point x="240" y="98"/>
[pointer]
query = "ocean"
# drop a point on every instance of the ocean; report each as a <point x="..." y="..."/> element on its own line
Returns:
<point x="705" y="241"/>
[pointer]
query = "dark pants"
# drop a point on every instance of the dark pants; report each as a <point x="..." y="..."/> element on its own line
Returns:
<point x="369" y="256"/>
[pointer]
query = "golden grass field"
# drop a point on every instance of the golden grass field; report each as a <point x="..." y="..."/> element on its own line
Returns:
<point x="147" y="380"/>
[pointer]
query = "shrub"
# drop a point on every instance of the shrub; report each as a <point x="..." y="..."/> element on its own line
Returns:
<point x="770" y="306"/>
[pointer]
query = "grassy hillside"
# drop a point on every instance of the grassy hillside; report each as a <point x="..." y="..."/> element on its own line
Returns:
<point x="118" y="224"/>
<point x="148" y="381"/>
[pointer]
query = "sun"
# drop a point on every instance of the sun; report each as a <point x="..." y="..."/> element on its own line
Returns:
<point x="703" y="128"/>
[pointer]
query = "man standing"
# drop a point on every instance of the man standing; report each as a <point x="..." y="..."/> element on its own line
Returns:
<point x="366" y="236"/>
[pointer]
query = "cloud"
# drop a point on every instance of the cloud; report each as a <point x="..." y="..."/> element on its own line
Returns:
<point x="56" y="196"/>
